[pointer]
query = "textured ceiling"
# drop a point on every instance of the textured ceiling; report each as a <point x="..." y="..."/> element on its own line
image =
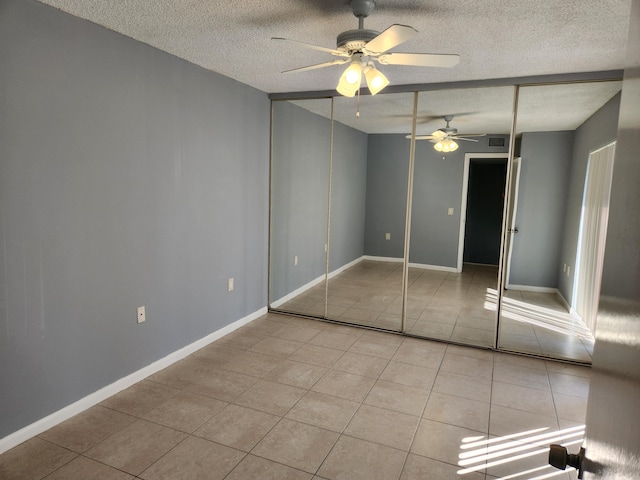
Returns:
<point x="494" y="38"/>
<point x="475" y="110"/>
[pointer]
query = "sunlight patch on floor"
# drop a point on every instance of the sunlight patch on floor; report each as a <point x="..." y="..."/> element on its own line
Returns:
<point x="478" y="454"/>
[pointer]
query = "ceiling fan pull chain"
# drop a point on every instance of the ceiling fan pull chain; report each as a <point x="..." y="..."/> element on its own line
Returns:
<point x="358" y="105"/>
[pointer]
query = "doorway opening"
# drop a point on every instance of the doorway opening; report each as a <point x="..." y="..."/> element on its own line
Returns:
<point x="483" y="192"/>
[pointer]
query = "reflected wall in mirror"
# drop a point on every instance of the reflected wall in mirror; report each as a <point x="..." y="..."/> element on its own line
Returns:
<point x="560" y="131"/>
<point x="300" y="161"/>
<point x="368" y="209"/>
<point x="457" y="209"/>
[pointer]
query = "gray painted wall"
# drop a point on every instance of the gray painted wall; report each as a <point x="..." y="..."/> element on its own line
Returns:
<point x="299" y="197"/>
<point x="128" y="177"/>
<point x="348" y="195"/>
<point x="437" y="187"/>
<point x="387" y="173"/>
<point x="542" y="197"/>
<point x="597" y="131"/>
<point x="300" y="189"/>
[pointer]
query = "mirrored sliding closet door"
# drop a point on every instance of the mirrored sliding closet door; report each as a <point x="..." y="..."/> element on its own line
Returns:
<point x="565" y="137"/>
<point x="370" y="171"/>
<point x="300" y="160"/>
<point x="462" y="148"/>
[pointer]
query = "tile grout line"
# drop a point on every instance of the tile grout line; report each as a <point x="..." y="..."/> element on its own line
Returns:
<point x="424" y="407"/>
<point x="283" y="417"/>
<point x="361" y="403"/>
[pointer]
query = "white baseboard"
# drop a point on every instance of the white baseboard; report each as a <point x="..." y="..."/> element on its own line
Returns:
<point x="531" y="288"/>
<point x="346" y="266"/>
<point x="564" y="301"/>
<point x="337" y="271"/>
<point x="314" y="282"/>
<point x="297" y="291"/>
<point x="383" y="259"/>
<point x="423" y="266"/>
<point x="439" y="268"/>
<point x="94" y="398"/>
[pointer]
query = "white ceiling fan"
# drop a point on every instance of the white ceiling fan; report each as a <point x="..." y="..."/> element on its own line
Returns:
<point x="444" y="138"/>
<point x="362" y="47"/>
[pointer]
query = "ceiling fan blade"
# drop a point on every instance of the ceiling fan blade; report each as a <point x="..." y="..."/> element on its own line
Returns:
<point x="465" y="139"/>
<point x="419" y="59"/>
<point x="332" y="51"/>
<point x="463" y="135"/>
<point x="392" y="36"/>
<point x="422" y="137"/>
<point x="317" y="65"/>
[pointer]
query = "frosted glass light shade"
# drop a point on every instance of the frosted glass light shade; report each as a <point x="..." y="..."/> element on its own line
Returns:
<point x="446" y="145"/>
<point x="376" y="81"/>
<point x="350" y="80"/>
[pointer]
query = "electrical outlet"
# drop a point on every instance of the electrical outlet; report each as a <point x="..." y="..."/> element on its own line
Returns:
<point x="142" y="315"/>
<point x="230" y="284"/>
<point x="387" y="236"/>
<point x="450" y="211"/>
<point x="564" y="268"/>
<point x="295" y="260"/>
<point x="568" y="270"/>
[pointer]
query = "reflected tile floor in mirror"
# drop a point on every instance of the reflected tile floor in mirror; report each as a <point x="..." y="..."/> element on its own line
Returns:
<point x="459" y="307"/>
<point x="539" y="323"/>
<point x="295" y="399"/>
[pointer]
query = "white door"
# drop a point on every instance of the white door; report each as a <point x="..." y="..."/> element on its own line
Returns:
<point x="592" y="236"/>
<point x="511" y="214"/>
<point x="612" y="439"/>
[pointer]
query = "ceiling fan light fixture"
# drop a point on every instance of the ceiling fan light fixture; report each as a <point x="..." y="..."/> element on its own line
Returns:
<point x="376" y="81"/>
<point x="446" y="145"/>
<point x="350" y="80"/>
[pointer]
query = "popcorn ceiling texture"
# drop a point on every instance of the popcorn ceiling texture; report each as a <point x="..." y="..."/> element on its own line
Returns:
<point x="495" y="38"/>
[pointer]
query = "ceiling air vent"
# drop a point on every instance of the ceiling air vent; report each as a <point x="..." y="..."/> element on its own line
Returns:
<point x="496" y="142"/>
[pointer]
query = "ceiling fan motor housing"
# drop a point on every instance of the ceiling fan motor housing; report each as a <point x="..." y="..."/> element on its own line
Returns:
<point x="362" y="8"/>
<point x="355" y="40"/>
<point x="448" y="130"/>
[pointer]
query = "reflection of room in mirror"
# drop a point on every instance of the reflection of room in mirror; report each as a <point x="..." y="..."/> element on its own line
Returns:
<point x="458" y="307"/>
<point x="559" y="126"/>
<point x="339" y="207"/>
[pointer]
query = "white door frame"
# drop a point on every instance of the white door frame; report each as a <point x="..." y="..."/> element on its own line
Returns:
<point x="463" y="204"/>
<point x="511" y="225"/>
<point x="587" y="272"/>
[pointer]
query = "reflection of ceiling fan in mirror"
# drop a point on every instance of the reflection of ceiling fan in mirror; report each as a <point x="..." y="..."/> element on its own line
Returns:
<point x="444" y="138"/>
<point x="361" y="47"/>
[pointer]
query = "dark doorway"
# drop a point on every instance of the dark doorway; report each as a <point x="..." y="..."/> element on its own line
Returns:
<point x="485" y="202"/>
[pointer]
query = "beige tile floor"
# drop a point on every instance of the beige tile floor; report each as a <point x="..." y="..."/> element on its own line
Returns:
<point x="460" y="307"/>
<point x="290" y="398"/>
